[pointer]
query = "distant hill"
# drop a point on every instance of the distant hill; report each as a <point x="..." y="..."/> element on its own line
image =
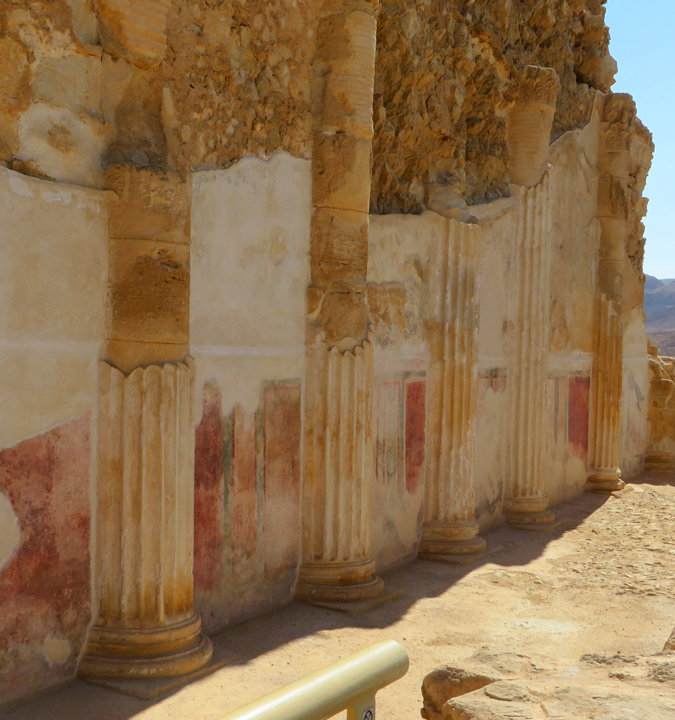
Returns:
<point x="660" y="313"/>
<point x="664" y="341"/>
<point x="659" y="305"/>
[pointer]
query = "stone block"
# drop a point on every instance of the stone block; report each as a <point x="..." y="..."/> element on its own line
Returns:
<point x="448" y="682"/>
<point x="346" y="48"/>
<point x="339" y="248"/>
<point x="341" y="172"/>
<point x="528" y="133"/>
<point x="72" y="82"/>
<point x="13" y="66"/>
<point x="149" y="291"/>
<point x="154" y="204"/>
<point x="340" y="313"/>
<point x="134" y="29"/>
<point x="127" y="355"/>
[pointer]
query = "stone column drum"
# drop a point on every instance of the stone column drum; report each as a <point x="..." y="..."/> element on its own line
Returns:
<point x="526" y="501"/>
<point x="450" y="530"/>
<point x="339" y="453"/>
<point x="604" y="474"/>
<point x="529" y="131"/>
<point x="146" y="625"/>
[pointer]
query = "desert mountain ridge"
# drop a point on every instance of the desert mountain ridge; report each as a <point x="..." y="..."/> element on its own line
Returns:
<point x="659" y="307"/>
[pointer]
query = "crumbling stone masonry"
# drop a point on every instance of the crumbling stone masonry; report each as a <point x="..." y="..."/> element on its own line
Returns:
<point x="292" y="291"/>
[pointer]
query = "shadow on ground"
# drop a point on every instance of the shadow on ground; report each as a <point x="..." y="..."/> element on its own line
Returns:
<point x="259" y="635"/>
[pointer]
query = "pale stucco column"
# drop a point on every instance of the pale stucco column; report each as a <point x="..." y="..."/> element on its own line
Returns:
<point x="450" y="530"/>
<point x="529" y="131"/>
<point x="604" y="474"/>
<point x="146" y="625"/>
<point x="339" y="454"/>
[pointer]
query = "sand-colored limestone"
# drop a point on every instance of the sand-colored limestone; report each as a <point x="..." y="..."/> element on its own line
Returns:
<point x="529" y="123"/>
<point x="338" y="476"/>
<point x="339" y="450"/>
<point x="525" y="500"/>
<point x="134" y="30"/>
<point x="613" y="211"/>
<point x="367" y="387"/>
<point x="146" y="625"/>
<point x="450" y="528"/>
<point x="149" y="228"/>
<point x="529" y="128"/>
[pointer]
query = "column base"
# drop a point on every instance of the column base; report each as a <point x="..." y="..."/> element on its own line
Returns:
<point x="451" y="540"/>
<point x="605" y="480"/>
<point x="528" y="511"/>
<point x="134" y="653"/>
<point x="339" y="582"/>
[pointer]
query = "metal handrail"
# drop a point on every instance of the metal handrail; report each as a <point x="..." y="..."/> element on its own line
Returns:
<point x="349" y="684"/>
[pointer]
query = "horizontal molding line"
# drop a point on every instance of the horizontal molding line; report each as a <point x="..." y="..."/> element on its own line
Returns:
<point x="232" y="351"/>
<point x="67" y="345"/>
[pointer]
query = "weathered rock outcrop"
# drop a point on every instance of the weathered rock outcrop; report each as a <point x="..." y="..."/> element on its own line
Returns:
<point x="506" y="685"/>
<point x="445" y="77"/>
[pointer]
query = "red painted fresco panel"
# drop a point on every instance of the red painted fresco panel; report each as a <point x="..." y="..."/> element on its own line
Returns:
<point x="45" y="585"/>
<point x="415" y="418"/>
<point x="282" y="436"/>
<point x="209" y="493"/>
<point x="577" y="433"/>
<point x="244" y="495"/>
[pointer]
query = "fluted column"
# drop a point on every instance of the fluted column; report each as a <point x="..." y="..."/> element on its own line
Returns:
<point x="339" y="471"/>
<point x="526" y="501"/>
<point x="146" y="625"/>
<point x="529" y="131"/>
<point x="604" y="474"/>
<point x="450" y="530"/>
<point x="339" y="452"/>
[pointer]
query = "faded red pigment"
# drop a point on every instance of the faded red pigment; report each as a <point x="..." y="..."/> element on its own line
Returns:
<point x="45" y="586"/>
<point x="282" y="407"/>
<point x="577" y="432"/>
<point x="244" y="496"/>
<point x="209" y="493"/>
<point x="415" y="417"/>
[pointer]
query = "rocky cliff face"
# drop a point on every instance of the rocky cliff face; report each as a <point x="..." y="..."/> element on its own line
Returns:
<point x="201" y="83"/>
<point x="446" y="73"/>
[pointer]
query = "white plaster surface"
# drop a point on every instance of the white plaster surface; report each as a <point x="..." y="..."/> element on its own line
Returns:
<point x="63" y="144"/>
<point x="401" y="242"/>
<point x="10" y="532"/>
<point x="53" y="283"/>
<point x="634" y="409"/>
<point x="249" y="274"/>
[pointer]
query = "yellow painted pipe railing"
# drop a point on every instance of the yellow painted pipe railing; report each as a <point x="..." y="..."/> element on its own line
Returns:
<point x="349" y="684"/>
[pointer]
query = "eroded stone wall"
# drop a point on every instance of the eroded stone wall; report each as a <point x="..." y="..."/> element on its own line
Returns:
<point x="446" y="74"/>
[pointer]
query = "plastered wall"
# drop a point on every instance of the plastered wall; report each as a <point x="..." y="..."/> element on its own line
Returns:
<point x="53" y="280"/>
<point x="250" y="229"/>
<point x="249" y="274"/>
<point x="399" y="270"/>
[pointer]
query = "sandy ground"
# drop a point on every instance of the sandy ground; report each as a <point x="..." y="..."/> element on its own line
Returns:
<point x="603" y="583"/>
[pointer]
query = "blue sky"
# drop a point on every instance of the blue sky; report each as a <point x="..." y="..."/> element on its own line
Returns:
<point x="643" y="44"/>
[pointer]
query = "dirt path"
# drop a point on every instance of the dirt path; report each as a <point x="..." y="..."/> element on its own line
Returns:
<point x="602" y="583"/>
